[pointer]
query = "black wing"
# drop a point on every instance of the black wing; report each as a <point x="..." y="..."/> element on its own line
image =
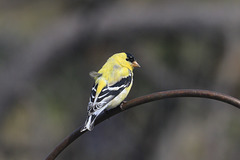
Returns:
<point x="107" y="93"/>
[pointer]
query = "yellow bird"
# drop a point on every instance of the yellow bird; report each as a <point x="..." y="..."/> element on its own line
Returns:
<point x="112" y="85"/>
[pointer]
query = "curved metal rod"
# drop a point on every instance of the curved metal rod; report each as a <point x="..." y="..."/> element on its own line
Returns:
<point x="141" y="100"/>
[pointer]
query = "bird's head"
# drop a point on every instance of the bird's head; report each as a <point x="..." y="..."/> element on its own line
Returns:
<point x="126" y="60"/>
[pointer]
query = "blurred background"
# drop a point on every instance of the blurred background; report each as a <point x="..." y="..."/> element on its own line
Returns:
<point x="47" y="49"/>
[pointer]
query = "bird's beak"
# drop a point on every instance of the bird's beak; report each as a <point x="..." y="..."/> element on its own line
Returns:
<point x="135" y="64"/>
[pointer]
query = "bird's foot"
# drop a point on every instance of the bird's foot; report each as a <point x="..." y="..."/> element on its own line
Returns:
<point x="121" y="105"/>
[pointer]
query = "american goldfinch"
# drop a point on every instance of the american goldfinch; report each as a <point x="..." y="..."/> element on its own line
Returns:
<point x="112" y="85"/>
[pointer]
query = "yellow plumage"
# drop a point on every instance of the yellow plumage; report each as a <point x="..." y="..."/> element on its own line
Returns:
<point x="112" y="85"/>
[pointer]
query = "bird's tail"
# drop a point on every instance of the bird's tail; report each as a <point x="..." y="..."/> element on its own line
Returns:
<point x="89" y="124"/>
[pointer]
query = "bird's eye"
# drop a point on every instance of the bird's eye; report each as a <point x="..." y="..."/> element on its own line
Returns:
<point x="130" y="58"/>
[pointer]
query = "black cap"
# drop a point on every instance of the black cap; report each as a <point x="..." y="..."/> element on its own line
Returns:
<point x="130" y="57"/>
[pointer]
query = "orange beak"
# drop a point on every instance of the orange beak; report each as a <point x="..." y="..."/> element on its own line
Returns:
<point x="135" y="64"/>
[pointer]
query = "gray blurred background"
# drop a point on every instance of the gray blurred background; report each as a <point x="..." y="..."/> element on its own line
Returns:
<point x="47" y="49"/>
